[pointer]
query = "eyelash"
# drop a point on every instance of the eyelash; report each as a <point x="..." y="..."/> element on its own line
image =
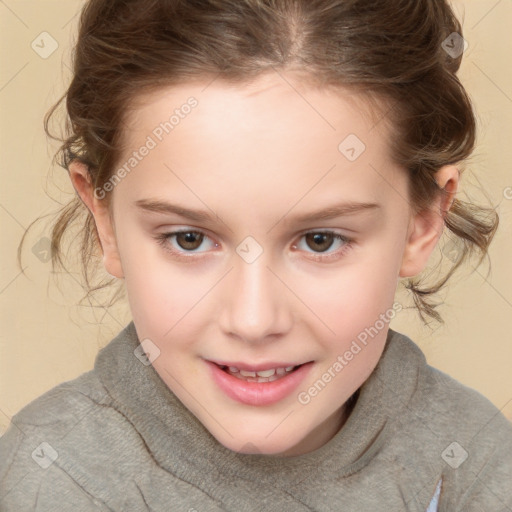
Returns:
<point x="163" y="240"/>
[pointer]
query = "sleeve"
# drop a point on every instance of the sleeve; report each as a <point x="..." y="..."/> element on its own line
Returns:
<point x="491" y="487"/>
<point x="486" y="481"/>
<point x="31" y="481"/>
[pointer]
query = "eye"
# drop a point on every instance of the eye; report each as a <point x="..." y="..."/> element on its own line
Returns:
<point x="186" y="239"/>
<point x="186" y="242"/>
<point x="323" y="241"/>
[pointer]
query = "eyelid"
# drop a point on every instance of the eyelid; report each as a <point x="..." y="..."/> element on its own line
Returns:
<point x="177" y="231"/>
<point x="328" y="256"/>
<point x="190" y="256"/>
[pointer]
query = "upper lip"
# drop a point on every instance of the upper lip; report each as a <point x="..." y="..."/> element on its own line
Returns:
<point x="255" y="367"/>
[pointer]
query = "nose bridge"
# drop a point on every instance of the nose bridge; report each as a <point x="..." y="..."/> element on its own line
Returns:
<point x="255" y="306"/>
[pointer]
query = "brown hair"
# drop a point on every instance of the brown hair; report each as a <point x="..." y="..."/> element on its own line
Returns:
<point x="392" y="51"/>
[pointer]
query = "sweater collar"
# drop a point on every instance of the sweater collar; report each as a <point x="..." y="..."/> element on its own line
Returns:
<point x="180" y="443"/>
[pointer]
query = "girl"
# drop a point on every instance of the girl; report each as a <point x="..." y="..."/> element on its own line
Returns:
<point x="260" y="175"/>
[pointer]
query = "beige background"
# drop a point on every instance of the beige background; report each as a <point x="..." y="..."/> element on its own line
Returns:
<point x="46" y="339"/>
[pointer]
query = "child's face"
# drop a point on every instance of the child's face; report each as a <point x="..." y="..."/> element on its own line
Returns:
<point x="250" y="291"/>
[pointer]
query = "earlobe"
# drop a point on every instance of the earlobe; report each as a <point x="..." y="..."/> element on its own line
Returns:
<point x="82" y="183"/>
<point x="426" y="227"/>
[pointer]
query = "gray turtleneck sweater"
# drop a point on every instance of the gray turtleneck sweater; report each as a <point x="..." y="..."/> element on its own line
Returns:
<point x="117" y="439"/>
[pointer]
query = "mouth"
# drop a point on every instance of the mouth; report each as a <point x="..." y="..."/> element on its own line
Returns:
<point x="269" y="375"/>
<point x="258" y="385"/>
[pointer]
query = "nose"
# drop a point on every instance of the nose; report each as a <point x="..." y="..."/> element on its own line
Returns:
<point x="255" y="304"/>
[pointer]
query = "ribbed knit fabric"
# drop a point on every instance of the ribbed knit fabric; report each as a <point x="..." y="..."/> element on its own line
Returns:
<point x="117" y="439"/>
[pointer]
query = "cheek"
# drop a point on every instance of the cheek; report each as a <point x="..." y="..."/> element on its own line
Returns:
<point x="159" y="298"/>
<point x="155" y="292"/>
<point x="346" y="299"/>
<point x="353" y="296"/>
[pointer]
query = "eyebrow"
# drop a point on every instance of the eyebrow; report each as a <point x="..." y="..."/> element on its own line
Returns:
<point x="331" y="212"/>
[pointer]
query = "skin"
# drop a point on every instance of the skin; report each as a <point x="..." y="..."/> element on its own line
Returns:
<point x="256" y="156"/>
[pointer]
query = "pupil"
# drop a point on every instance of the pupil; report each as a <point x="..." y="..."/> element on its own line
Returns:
<point x="190" y="240"/>
<point x="318" y="238"/>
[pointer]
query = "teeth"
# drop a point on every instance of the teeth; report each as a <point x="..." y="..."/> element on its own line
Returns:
<point x="261" y="376"/>
<point x="262" y="379"/>
<point x="266" y="373"/>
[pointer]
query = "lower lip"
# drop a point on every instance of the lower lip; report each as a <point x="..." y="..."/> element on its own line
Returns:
<point x="258" y="393"/>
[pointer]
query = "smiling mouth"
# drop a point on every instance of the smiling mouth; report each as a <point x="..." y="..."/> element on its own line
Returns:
<point x="258" y="384"/>
<point x="259" y="376"/>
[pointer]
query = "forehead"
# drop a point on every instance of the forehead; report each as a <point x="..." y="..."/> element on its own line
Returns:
<point x="264" y="133"/>
<point x="270" y="97"/>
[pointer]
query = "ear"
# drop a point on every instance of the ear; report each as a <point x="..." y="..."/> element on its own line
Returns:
<point x="426" y="227"/>
<point x="81" y="179"/>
